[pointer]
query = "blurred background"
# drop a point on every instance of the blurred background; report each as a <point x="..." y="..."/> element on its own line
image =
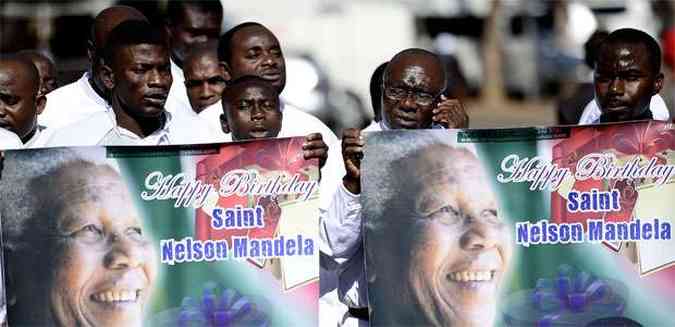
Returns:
<point x="512" y="62"/>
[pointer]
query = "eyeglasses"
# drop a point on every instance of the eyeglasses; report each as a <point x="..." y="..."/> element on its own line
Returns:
<point x="399" y="94"/>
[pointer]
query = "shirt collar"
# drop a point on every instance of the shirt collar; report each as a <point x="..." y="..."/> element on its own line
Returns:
<point x="159" y="137"/>
<point x="88" y="90"/>
<point x="31" y="142"/>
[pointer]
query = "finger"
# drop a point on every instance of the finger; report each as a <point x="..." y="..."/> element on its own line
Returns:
<point x="351" y="133"/>
<point x="318" y="153"/>
<point x="314" y="144"/>
<point x="353" y="150"/>
<point x="353" y="142"/>
<point x="313" y="137"/>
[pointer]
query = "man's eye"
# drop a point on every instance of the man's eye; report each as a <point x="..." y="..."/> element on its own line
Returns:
<point x="632" y="78"/>
<point x="9" y="100"/>
<point x="490" y="215"/>
<point x="446" y="215"/>
<point x="135" y="233"/>
<point x="138" y="70"/>
<point x="268" y="106"/>
<point x="89" y="233"/>
<point x="244" y="106"/>
<point x="252" y="54"/>
<point x="216" y="80"/>
<point x="191" y="84"/>
<point x="276" y="52"/>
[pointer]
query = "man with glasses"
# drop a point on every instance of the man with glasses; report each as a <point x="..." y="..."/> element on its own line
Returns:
<point x="412" y="98"/>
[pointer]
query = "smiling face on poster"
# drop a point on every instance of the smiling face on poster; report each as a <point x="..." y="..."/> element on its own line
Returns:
<point x="518" y="227"/>
<point x="452" y="247"/>
<point x="143" y="236"/>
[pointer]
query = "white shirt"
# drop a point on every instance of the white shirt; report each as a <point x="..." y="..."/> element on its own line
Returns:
<point x="38" y="140"/>
<point x="177" y="102"/>
<point x="9" y="140"/>
<point x="71" y="103"/>
<point x="211" y="115"/>
<point x="102" y="129"/>
<point x="657" y="106"/>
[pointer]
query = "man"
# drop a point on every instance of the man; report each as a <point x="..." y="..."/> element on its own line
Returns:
<point x="77" y="100"/>
<point x="252" y="49"/>
<point x="205" y="81"/>
<point x="627" y="80"/>
<point x="413" y="84"/>
<point x="21" y="99"/>
<point x="189" y="24"/>
<point x="437" y="248"/>
<point x="376" y="91"/>
<point x="90" y="263"/>
<point x="137" y="72"/>
<point x="252" y="110"/>
<point x="46" y="69"/>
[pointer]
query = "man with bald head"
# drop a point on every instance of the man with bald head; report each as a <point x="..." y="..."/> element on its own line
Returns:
<point x="88" y="95"/>
<point x="20" y="99"/>
<point x="46" y="68"/>
<point x="190" y="24"/>
<point x="412" y="97"/>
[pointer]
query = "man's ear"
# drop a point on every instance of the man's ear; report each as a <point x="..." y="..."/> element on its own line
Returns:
<point x="226" y="70"/>
<point x="108" y="77"/>
<point x="224" y="125"/>
<point x="658" y="83"/>
<point x="40" y="103"/>
<point x="91" y="51"/>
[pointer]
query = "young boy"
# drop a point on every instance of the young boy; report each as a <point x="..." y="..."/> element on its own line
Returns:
<point x="252" y="110"/>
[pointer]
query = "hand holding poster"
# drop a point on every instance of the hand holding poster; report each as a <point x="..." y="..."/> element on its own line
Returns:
<point x="109" y="236"/>
<point x="564" y="226"/>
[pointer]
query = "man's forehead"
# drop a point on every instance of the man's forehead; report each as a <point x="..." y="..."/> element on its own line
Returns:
<point x="194" y="17"/>
<point x="624" y="51"/>
<point x="145" y="53"/>
<point x="202" y="64"/>
<point x="414" y="66"/>
<point x="252" y="36"/>
<point x="15" y="74"/>
<point x="252" y="90"/>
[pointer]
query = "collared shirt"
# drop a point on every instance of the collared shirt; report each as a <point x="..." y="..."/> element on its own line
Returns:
<point x="9" y="140"/>
<point x="102" y="129"/>
<point x="177" y="102"/>
<point x="591" y="114"/>
<point x="38" y="140"/>
<point x="71" y="103"/>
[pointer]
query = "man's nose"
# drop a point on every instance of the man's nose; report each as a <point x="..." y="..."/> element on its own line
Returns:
<point x="479" y="236"/>
<point x="408" y="101"/>
<point x="616" y="86"/>
<point x="270" y="60"/>
<point x="200" y="39"/>
<point x="124" y="254"/>
<point x="207" y="91"/>
<point x="257" y="113"/>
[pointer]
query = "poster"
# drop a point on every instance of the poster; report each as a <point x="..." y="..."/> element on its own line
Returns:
<point x="562" y="226"/>
<point x="212" y="235"/>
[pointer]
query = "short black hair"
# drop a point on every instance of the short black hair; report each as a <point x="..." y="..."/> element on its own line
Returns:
<point x="175" y="8"/>
<point x="132" y="32"/>
<point x="592" y="47"/>
<point x="30" y="71"/>
<point x="248" y="79"/>
<point x="376" y="90"/>
<point x="225" y="41"/>
<point x="633" y="36"/>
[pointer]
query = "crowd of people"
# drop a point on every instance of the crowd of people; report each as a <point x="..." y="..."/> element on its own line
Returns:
<point x="187" y="83"/>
